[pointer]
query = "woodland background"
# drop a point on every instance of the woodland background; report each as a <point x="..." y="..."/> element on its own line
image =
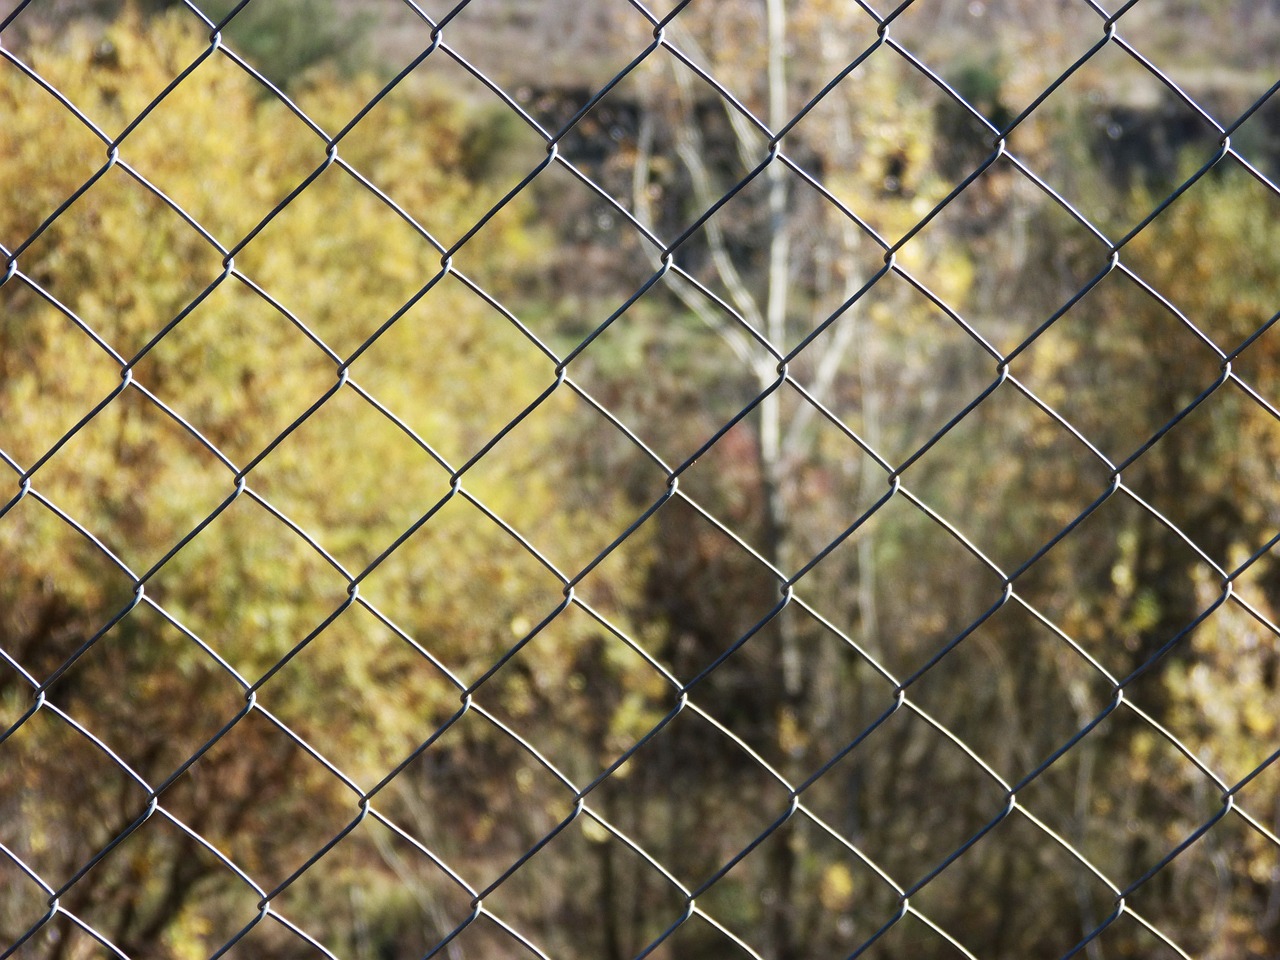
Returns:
<point x="240" y="604"/>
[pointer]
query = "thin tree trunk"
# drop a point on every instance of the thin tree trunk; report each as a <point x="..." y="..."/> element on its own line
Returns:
<point x="783" y="909"/>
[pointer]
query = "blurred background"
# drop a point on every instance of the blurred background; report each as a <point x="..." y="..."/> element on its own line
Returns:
<point x="903" y="579"/>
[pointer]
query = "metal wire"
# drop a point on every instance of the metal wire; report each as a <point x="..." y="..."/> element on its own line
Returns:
<point x="581" y="795"/>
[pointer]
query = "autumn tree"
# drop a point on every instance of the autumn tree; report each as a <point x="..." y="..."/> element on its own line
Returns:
<point x="231" y="402"/>
<point x="218" y="436"/>
<point x="1020" y="674"/>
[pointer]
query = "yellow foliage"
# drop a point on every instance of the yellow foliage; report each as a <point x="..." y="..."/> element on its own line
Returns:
<point x="836" y="892"/>
<point x="210" y="370"/>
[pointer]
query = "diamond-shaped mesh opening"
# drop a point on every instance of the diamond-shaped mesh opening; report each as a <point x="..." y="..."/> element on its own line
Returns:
<point x="160" y="878"/>
<point x="1227" y="286"/>
<point x="847" y="901"/>
<point x="64" y="797"/>
<point x="1037" y="896"/>
<point x="469" y="175"/>
<point x="714" y="591"/>
<point x="376" y="890"/>
<point x="111" y="477"/>
<point x="614" y="901"/>
<point x="905" y="369"/>
<point x="238" y="370"/>
<point x="150" y="693"/>
<point x="479" y="833"/>
<point x="541" y="450"/>
<point x="665" y="344"/>
<point x="1013" y="690"/>
<point x="450" y="337"/>
<point x="322" y="477"/>
<point x="261" y="800"/>
<point x="818" y="281"/>
<point x="562" y="299"/>
<point x="1143" y="585"/>
<point x="1062" y="472"/>
<point x="361" y="695"/>
<point x="838" y="275"/>
<point x="369" y="255"/>
<point x="890" y="557"/>
<point x="221" y="151"/>
<point x="558" y="299"/>
<point x="903" y="828"/>
<point x="1125" y="797"/>
<point x="1085" y="365"/>
<point x="463" y="588"/>
<point x="843" y="692"/>
<point x="829" y="477"/>
<point x="123" y="261"/>
<point x="580" y="693"/>
<point x="1005" y="218"/>
<point x="685" y="175"/>
<point x="691" y="774"/>
<point x="1086" y="171"/>
<point x="249" y="588"/>
<point x="877" y="115"/>
<point x="59" y="588"/>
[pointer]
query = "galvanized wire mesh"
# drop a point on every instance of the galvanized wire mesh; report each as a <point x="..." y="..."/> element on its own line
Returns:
<point x="568" y="838"/>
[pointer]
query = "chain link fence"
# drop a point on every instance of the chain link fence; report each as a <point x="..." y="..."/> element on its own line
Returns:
<point x="639" y="480"/>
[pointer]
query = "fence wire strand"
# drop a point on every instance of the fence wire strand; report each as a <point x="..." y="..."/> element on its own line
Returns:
<point x="720" y="912"/>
